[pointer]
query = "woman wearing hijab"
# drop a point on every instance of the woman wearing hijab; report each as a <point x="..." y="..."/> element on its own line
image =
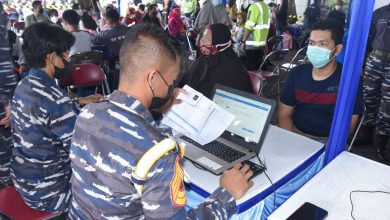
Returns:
<point x="218" y="63"/>
<point x="176" y="26"/>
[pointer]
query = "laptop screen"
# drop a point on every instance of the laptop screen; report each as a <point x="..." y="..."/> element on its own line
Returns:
<point x="251" y="115"/>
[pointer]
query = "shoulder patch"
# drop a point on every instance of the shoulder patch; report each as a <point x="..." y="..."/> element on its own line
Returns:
<point x="178" y="193"/>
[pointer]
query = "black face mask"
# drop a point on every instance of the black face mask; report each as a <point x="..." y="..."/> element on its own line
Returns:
<point x="60" y="73"/>
<point x="157" y="102"/>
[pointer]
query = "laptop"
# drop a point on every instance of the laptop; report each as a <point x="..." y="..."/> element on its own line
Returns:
<point x="244" y="137"/>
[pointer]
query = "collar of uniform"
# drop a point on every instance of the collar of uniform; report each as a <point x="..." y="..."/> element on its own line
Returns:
<point x="42" y="75"/>
<point x="130" y="104"/>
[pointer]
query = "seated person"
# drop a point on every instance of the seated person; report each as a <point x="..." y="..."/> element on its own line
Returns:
<point x="37" y="16"/>
<point x="8" y="81"/>
<point x="176" y="26"/>
<point x="83" y="40"/>
<point x="151" y="16"/>
<point x="112" y="38"/>
<point x="218" y="63"/>
<point x="131" y="18"/>
<point x="108" y="181"/>
<point x="87" y="20"/>
<point x="309" y="97"/>
<point x="53" y="16"/>
<point x="42" y="121"/>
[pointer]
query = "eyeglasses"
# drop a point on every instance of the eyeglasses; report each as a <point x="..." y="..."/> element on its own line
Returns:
<point x="162" y="77"/>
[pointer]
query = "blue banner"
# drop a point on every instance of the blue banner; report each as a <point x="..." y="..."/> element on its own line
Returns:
<point x="354" y="57"/>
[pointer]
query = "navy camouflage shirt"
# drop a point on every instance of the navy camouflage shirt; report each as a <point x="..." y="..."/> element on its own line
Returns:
<point x="108" y="142"/>
<point x="8" y="81"/>
<point x="42" y="122"/>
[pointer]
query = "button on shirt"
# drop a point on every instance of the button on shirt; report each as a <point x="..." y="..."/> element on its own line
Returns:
<point x="109" y="140"/>
<point x="42" y="121"/>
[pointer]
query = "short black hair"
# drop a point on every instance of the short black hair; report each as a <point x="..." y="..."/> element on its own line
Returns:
<point x="41" y="39"/>
<point x="141" y="7"/>
<point x="112" y="15"/>
<point x="151" y="6"/>
<point x="71" y="17"/>
<point x="75" y="6"/>
<point x="147" y="45"/>
<point x="336" y="29"/>
<point x="36" y="3"/>
<point x="51" y="12"/>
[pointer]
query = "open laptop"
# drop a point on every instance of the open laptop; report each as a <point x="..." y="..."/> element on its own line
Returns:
<point x="242" y="140"/>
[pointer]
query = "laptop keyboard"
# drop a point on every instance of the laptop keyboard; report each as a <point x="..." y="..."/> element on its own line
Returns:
<point x="218" y="149"/>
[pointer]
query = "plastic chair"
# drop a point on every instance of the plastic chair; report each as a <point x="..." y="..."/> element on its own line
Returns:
<point x="271" y="72"/>
<point x="256" y="81"/>
<point x="19" y="26"/>
<point x="191" y="37"/>
<point x="357" y="129"/>
<point x="94" y="56"/>
<point x="83" y="75"/>
<point x="13" y="207"/>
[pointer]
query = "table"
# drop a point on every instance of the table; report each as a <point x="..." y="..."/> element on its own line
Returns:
<point x="330" y="189"/>
<point x="291" y="160"/>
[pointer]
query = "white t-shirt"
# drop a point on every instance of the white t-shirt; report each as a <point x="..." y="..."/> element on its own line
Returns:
<point x="83" y="42"/>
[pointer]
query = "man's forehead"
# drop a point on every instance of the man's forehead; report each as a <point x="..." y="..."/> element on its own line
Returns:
<point x="321" y="35"/>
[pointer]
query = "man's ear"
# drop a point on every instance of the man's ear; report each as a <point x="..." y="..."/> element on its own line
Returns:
<point x="339" y="48"/>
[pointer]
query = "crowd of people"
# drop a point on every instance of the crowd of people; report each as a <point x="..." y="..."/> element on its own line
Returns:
<point x="111" y="159"/>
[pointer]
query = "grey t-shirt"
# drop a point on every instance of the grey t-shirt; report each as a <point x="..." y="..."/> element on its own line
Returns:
<point x="82" y="43"/>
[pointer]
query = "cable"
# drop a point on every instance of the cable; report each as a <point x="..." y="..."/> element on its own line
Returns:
<point x="269" y="179"/>
<point x="362" y="191"/>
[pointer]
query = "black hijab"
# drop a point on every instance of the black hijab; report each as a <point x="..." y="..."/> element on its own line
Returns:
<point x="224" y="68"/>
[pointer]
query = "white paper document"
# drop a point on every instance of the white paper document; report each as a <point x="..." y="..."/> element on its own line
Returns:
<point x="197" y="117"/>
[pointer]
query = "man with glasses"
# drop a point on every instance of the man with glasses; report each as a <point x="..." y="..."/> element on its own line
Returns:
<point x="124" y="167"/>
<point x="309" y="97"/>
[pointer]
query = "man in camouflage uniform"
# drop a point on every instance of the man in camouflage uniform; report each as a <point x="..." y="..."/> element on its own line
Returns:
<point x="376" y="83"/>
<point x="123" y="167"/>
<point x="42" y="119"/>
<point x="8" y="82"/>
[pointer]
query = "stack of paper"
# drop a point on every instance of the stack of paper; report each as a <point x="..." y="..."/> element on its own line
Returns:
<point x="197" y="117"/>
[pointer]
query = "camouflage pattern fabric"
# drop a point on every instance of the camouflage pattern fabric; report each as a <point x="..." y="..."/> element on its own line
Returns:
<point x="109" y="140"/>
<point x="8" y="81"/>
<point x="42" y="122"/>
<point x="376" y="94"/>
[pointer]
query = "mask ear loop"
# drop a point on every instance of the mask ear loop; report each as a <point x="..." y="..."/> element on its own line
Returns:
<point x="227" y="45"/>
<point x="334" y="54"/>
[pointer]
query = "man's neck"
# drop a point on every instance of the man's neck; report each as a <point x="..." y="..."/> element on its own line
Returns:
<point x="324" y="73"/>
<point x="73" y="29"/>
<point x="136" y="93"/>
<point x="36" y="14"/>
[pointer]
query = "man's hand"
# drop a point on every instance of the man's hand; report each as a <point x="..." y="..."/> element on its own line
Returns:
<point x="242" y="47"/>
<point x="172" y="101"/>
<point x="235" y="180"/>
<point x="91" y="99"/>
<point x="6" y="121"/>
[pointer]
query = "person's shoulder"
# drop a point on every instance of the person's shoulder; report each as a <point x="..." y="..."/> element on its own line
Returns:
<point x="302" y="69"/>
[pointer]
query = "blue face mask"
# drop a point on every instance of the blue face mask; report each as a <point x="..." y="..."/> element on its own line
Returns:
<point x="216" y="2"/>
<point x="318" y="56"/>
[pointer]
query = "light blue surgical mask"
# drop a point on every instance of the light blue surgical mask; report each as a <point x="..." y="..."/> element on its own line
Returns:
<point x="318" y="56"/>
<point x="216" y="2"/>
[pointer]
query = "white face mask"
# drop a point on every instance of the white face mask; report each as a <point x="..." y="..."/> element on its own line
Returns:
<point x="54" y="19"/>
